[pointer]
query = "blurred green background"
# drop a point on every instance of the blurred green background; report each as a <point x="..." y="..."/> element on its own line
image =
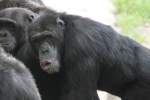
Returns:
<point x="133" y="19"/>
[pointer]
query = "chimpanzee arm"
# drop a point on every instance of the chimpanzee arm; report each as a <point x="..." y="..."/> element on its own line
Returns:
<point x="79" y="82"/>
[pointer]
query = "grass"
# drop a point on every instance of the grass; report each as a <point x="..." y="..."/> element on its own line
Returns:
<point x="132" y="14"/>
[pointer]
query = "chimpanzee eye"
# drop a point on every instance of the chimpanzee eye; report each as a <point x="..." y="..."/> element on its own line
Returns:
<point x="45" y="51"/>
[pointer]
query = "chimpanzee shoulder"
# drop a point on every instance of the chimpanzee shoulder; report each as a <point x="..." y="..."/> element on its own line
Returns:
<point x="16" y="80"/>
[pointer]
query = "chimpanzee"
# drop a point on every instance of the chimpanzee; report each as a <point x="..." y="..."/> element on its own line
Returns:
<point x="16" y="81"/>
<point x="34" y="5"/>
<point x="90" y="56"/>
<point x="22" y="18"/>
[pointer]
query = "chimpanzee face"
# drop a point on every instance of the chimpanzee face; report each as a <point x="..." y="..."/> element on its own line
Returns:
<point x="48" y="56"/>
<point x="46" y="36"/>
<point x="7" y="39"/>
<point x="14" y="25"/>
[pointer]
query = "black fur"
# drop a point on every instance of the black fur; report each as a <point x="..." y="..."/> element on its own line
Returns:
<point x="34" y="5"/>
<point x="16" y="80"/>
<point x="94" y="56"/>
<point x="22" y="16"/>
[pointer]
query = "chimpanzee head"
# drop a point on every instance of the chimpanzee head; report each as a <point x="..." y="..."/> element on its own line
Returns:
<point x="46" y="38"/>
<point x="15" y="21"/>
<point x="8" y="28"/>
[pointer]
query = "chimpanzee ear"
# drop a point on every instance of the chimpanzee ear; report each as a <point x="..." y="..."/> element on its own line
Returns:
<point x="6" y="22"/>
<point x="60" y="22"/>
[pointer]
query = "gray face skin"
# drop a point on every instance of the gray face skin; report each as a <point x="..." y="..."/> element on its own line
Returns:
<point x="7" y="29"/>
<point x="7" y="41"/>
<point x="48" y="58"/>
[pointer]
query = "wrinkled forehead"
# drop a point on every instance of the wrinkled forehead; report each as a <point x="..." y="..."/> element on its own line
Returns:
<point x="43" y="23"/>
<point x="46" y="20"/>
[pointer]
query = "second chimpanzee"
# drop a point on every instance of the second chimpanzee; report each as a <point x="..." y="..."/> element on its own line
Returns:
<point x="16" y="81"/>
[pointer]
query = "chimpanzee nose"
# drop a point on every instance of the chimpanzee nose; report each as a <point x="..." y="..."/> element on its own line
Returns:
<point x="46" y="63"/>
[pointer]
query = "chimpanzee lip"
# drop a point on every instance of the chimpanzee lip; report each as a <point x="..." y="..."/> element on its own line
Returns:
<point x="45" y="67"/>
